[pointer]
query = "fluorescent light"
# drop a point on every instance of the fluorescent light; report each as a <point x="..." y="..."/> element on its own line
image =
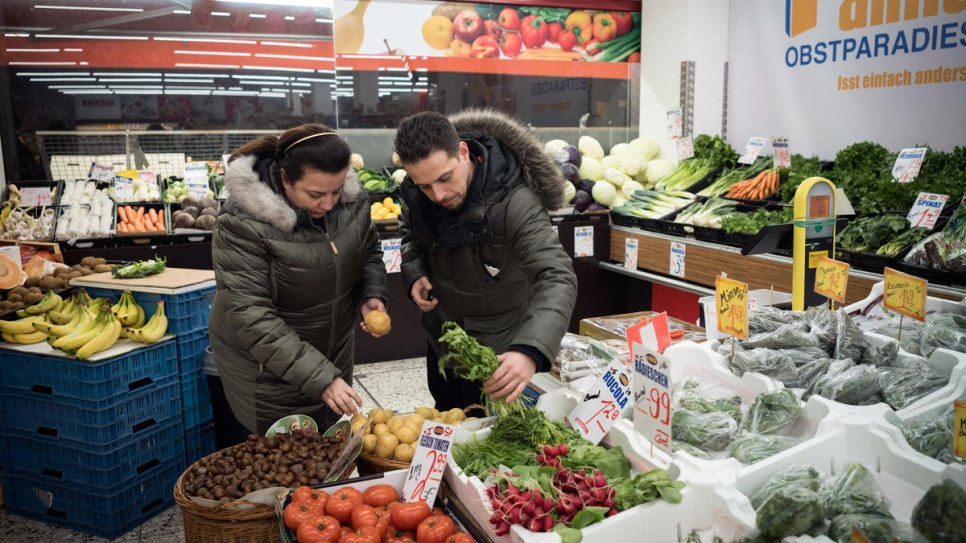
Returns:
<point x="93" y="91"/>
<point x="36" y="63"/>
<point x="169" y="80"/>
<point x="135" y="87"/>
<point x="195" y="65"/>
<point x="271" y="95"/>
<point x="215" y="53"/>
<point x="397" y="69"/>
<point x="76" y="87"/>
<point x="289" y="18"/>
<point x="189" y="88"/>
<point x="182" y="12"/>
<point x="32" y="74"/>
<point x="188" y="91"/>
<point x="279" y="77"/>
<point x="287" y="44"/>
<point x="278" y="90"/>
<point x="33" y="50"/>
<point x="233" y="93"/>
<point x="257" y="82"/>
<point x="206" y="40"/>
<point x="130" y="80"/>
<point x="315" y="79"/>
<point x="90" y="8"/>
<point x="129" y="74"/>
<point x="142" y="91"/>
<point x="295" y="57"/>
<point x="278" y="69"/>
<point x="193" y="74"/>
<point x="48" y="79"/>
<point x="221" y="14"/>
<point x="296" y="84"/>
<point x="16" y="35"/>
<point x="257" y="15"/>
<point x="301" y="3"/>
<point x="90" y="37"/>
<point x="73" y="50"/>
<point x="323" y="20"/>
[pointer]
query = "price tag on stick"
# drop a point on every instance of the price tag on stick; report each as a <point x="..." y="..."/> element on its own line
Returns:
<point x="907" y="164"/>
<point x="752" y="150"/>
<point x="602" y="405"/>
<point x="675" y="124"/>
<point x="101" y="172"/>
<point x="731" y="304"/>
<point x="685" y="147"/>
<point x="652" y="397"/>
<point x="925" y="211"/>
<point x="429" y="463"/>
<point x="831" y="278"/>
<point x="905" y="294"/>
<point x="781" y="156"/>
<point x="36" y="196"/>
<point x="959" y="429"/>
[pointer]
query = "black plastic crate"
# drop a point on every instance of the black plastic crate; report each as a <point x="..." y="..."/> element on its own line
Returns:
<point x="737" y="239"/>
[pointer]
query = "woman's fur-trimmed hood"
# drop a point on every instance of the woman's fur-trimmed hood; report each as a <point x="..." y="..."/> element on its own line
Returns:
<point x="540" y="172"/>
<point x="255" y="197"/>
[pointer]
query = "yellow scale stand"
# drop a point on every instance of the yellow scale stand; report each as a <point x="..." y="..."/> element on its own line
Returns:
<point x="814" y="236"/>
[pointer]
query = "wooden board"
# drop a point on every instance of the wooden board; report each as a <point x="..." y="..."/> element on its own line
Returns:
<point x="171" y="279"/>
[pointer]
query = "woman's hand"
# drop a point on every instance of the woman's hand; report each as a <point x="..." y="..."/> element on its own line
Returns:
<point x="372" y="304"/>
<point x="341" y="398"/>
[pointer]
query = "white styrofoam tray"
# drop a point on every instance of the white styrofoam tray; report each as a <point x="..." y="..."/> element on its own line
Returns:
<point x="956" y="472"/>
<point x="869" y="313"/>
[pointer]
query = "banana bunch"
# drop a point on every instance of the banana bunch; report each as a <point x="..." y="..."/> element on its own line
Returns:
<point x="81" y="315"/>
<point x="50" y="302"/>
<point x="22" y="330"/>
<point x="153" y="330"/>
<point x="66" y="313"/>
<point x="92" y="337"/>
<point x="128" y="312"/>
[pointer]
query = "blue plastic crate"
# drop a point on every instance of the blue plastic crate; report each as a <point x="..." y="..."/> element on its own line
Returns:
<point x="199" y="442"/>
<point x="104" y="512"/>
<point x="62" y="461"/>
<point x="186" y="312"/>
<point x="195" y="399"/>
<point x="60" y="378"/>
<point x="191" y="351"/>
<point x="96" y="427"/>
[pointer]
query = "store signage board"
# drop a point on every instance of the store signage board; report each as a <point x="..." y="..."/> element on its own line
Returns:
<point x="583" y="241"/>
<point x="907" y="164"/>
<point x="392" y="255"/>
<point x="752" y="149"/>
<point x="630" y="253"/>
<point x="925" y="211"/>
<point x="196" y="178"/>
<point x="678" y="252"/>
<point x="781" y="155"/>
<point x="429" y="463"/>
<point x="652" y="397"/>
<point x="959" y="429"/>
<point x="731" y="305"/>
<point x="36" y="196"/>
<point x="123" y="188"/>
<point x="675" y="123"/>
<point x="101" y="172"/>
<point x="685" y="147"/>
<point x="831" y="278"/>
<point x="905" y="294"/>
<point x="603" y="403"/>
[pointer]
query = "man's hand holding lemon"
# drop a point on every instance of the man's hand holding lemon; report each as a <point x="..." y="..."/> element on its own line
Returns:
<point x="375" y="319"/>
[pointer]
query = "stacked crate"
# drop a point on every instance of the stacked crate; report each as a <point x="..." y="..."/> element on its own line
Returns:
<point x="95" y="445"/>
<point x="187" y="310"/>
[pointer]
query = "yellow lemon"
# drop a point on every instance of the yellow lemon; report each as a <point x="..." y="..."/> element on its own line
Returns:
<point x="378" y="322"/>
<point x="438" y="31"/>
<point x="387" y="201"/>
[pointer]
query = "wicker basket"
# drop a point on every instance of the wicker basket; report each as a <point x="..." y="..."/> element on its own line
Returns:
<point x="226" y="523"/>
<point x="370" y="464"/>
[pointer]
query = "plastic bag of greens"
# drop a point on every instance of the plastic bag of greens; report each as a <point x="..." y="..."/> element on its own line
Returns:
<point x="810" y="373"/>
<point x="945" y="330"/>
<point x="749" y="448"/>
<point x="902" y="386"/>
<point x="786" y="336"/>
<point x="850" y="342"/>
<point x="678" y="445"/>
<point x="932" y="436"/>
<point x="848" y="383"/>
<point x="790" y="476"/>
<point x="911" y="333"/>
<point x="880" y="355"/>
<point x="823" y="324"/>
<point x="875" y="528"/>
<point x="854" y="491"/>
<point x="803" y="355"/>
<point x="793" y="510"/>
<point x="706" y="398"/>
<point x="771" y="412"/>
<point x="939" y="515"/>
<point x="709" y="431"/>
<point x="774" y="364"/>
<point x="768" y="319"/>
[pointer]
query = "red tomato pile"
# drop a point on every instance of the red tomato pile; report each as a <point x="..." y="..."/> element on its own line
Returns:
<point x="373" y="516"/>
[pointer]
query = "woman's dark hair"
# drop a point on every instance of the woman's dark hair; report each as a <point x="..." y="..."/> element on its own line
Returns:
<point x="327" y="153"/>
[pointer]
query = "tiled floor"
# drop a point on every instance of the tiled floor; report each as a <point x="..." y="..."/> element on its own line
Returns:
<point x="398" y="385"/>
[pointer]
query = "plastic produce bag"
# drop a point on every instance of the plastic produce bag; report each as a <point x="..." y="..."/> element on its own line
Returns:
<point x="947" y="331"/>
<point x="810" y="373"/>
<point x="854" y="491"/>
<point x="785" y="336"/>
<point x="772" y="363"/>
<point x="749" y="448"/>
<point x="939" y="515"/>
<point x="577" y="358"/>
<point x="902" y="386"/>
<point x="678" y="445"/>
<point x="790" y="476"/>
<point x="704" y="398"/>
<point x="848" y="383"/>
<point x="932" y="436"/>
<point x="880" y="355"/>
<point x="875" y="528"/>
<point x="768" y="319"/>
<point x="911" y="333"/>
<point x="823" y="324"/>
<point x="790" y="510"/>
<point x="850" y="342"/>
<point x="771" y="412"/>
<point x="709" y="431"/>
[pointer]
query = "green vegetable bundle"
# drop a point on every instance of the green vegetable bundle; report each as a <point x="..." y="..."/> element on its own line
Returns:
<point x="881" y="234"/>
<point x="141" y="268"/>
<point x="939" y="515"/>
<point x="751" y="223"/>
<point x="374" y="182"/>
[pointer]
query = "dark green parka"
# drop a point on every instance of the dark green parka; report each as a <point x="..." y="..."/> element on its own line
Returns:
<point x="287" y="305"/>
<point x="496" y="264"/>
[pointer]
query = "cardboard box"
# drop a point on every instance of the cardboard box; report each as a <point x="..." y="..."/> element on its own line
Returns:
<point x="601" y="328"/>
<point x="48" y="250"/>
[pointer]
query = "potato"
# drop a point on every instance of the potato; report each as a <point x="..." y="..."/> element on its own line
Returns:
<point x="454" y="415"/>
<point x="31" y="282"/>
<point x="406" y="434"/>
<point x="88" y="261"/>
<point x="395" y="423"/>
<point x="381" y="428"/>
<point x="357" y="422"/>
<point x="436" y="414"/>
<point x="425" y="412"/>
<point x="403" y="453"/>
<point x="438" y="419"/>
<point x="369" y="443"/>
<point x="417" y="420"/>
<point x="386" y="445"/>
<point x="379" y="415"/>
<point x="100" y="261"/>
<point x="101" y="268"/>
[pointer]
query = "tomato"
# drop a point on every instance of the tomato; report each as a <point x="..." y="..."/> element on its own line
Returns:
<point x="468" y="25"/>
<point x="567" y="40"/>
<point x="624" y="20"/>
<point x="485" y="47"/>
<point x="509" y="19"/>
<point x="437" y="511"/>
<point x="380" y="495"/>
<point x="533" y="31"/>
<point x="395" y="535"/>
<point x="366" y="534"/>
<point x="553" y="31"/>
<point x="297" y="513"/>
<point x="407" y="516"/>
<point x="341" y="503"/>
<point x="435" y="529"/>
<point x="320" y="529"/>
<point x="364" y="515"/>
<point x="460" y="537"/>
<point x="306" y="494"/>
<point x="510" y="44"/>
<point x="382" y="526"/>
<point x="492" y="29"/>
<point x="634" y="57"/>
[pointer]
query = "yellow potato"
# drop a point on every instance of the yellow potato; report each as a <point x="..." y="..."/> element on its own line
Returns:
<point x="386" y="445"/>
<point x="454" y="415"/>
<point x="468" y="419"/>
<point x="379" y="415"/>
<point x="416" y="420"/>
<point x="438" y="419"/>
<point x="357" y="422"/>
<point x="395" y="423"/>
<point x="381" y="428"/>
<point x="387" y="201"/>
<point x="377" y="206"/>
<point x="369" y="443"/>
<point x="436" y="414"/>
<point x="425" y="412"/>
<point x="406" y="434"/>
<point x="403" y="453"/>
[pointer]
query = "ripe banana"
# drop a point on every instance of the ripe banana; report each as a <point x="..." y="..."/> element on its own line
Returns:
<point x="139" y="322"/>
<point x="60" y="317"/>
<point x="126" y="309"/>
<point x="21" y="326"/>
<point x="81" y="317"/>
<point x="51" y="301"/>
<point x="154" y="329"/>
<point x="25" y="339"/>
<point x="103" y="341"/>
<point x="76" y="339"/>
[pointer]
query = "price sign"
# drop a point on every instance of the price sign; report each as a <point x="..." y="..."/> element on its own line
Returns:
<point x="148" y="179"/>
<point x="123" y="188"/>
<point x="584" y="241"/>
<point x="731" y="304"/>
<point x="101" y="172"/>
<point x="630" y="253"/>
<point x="752" y="150"/>
<point x="959" y="429"/>
<point x="196" y="178"/>
<point x="925" y="211"/>
<point x="675" y="124"/>
<point x="831" y="278"/>
<point x="36" y="196"/>
<point x="685" y="147"/>
<point x="905" y="294"/>
<point x="392" y="255"/>
<point x="907" y="164"/>
<point x="678" y="251"/>
<point x="781" y="157"/>
<point x="652" y="396"/>
<point x="429" y="463"/>
<point x="602" y="405"/>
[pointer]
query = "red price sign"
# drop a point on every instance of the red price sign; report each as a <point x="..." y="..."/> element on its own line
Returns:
<point x="429" y="463"/>
<point x="652" y="397"/>
<point x="608" y="411"/>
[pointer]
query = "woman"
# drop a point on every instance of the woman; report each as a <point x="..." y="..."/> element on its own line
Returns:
<point x="297" y="263"/>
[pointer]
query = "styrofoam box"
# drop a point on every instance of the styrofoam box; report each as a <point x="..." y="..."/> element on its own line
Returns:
<point x="869" y="313"/>
<point x="956" y="472"/>
<point x="903" y="477"/>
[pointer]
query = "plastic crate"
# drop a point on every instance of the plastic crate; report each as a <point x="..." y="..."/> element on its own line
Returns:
<point x="191" y="351"/>
<point x="66" y="379"/>
<point x="186" y="312"/>
<point x="104" y="512"/>
<point x="51" y="459"/>
<point x="199" y="442"/>
<point x="95" y="427"/>
<point x="195" y="399"/>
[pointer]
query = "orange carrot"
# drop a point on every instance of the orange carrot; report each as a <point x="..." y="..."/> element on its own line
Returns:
<point x="153" y="214"/>
<point x="122" y="213"/>
<point x="161" y="217"/>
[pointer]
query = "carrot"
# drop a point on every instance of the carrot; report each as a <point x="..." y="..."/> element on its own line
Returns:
<point x="153" y="214"/>
<point x="161" y="218"/>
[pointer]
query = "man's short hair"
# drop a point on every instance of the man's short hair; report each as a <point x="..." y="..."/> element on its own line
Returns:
<point x="422" y="134"/>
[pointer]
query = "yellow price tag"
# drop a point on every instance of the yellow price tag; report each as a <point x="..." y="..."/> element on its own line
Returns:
<point x="133" y="174"/>
<point x="905" y="294"/>
<point x="831" y="278"/>
<point x="731" y="299"/>
<point x="959" y="429"/>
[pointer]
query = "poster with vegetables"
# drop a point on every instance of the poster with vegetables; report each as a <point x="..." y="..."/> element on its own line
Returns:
<point x="485" y="31"/>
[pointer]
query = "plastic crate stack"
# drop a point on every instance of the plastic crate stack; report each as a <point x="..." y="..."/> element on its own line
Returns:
<point x="187" y="313"/>
<point x="92" y="445"/>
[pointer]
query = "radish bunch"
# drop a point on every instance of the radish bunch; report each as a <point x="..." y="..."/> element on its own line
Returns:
<point x="528" y="508"/>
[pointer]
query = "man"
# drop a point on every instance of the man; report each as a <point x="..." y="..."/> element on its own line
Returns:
<point x="478" y="247"/>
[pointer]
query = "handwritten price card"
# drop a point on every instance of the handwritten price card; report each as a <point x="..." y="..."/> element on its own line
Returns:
<point x="959" y="429"/>
<point x="925" y="211"/>
<point x="429" y="462"/>
<point x="831" y="278"/>
<point x="36" y="196"/>
<point x="905" y="294"/>
<point x="907" y="164"/>
<point x="678" y="252"/>
<point x="392" y="255"/>
<point x="101" y="172"/>
<point x="752" y="150"/>
<point x="781" y="156"/>
<point x="652" y="396"/>
<point x="594" y="416"/>
<point x="731" y="299"/>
